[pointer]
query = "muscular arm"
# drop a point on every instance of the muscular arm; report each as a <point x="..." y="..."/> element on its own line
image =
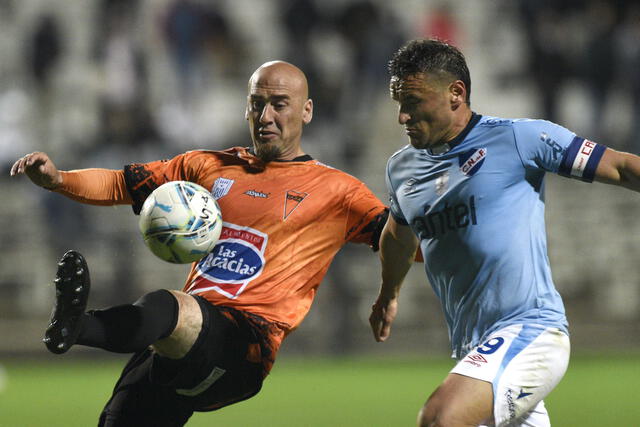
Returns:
<point x="619" y="168"/>
<point x="398" y="247"/>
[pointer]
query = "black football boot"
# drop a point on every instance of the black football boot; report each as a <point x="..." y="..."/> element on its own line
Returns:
<point x="72" y="292"/>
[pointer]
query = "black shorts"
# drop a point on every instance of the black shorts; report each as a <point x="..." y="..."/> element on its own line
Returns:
<point x="225" y="365"/>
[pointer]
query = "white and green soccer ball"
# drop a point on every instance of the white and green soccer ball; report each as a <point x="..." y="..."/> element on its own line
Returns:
<point x="180" y="222"/>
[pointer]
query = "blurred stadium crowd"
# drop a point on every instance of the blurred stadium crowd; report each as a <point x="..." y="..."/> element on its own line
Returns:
<point x="102" y="83"/>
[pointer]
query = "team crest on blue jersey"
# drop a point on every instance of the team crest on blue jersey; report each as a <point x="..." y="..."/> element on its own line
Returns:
<point x="471" y="161"/>
<point x="442" y="183"/>
<point x="236" y="260"/>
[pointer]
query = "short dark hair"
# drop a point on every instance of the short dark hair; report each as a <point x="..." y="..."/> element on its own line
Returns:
<point x="430" y="56"/>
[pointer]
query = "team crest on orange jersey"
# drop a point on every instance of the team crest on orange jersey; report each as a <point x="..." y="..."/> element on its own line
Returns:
<point x="292" y="201"/>
<point x="221" y="187"/>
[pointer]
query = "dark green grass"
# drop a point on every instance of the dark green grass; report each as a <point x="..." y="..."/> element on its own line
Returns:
<point x="597" y="390"/>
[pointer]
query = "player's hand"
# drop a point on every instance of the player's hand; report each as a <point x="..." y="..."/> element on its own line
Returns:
<point x="39" y="168"/>
<point x="382" y="314"/>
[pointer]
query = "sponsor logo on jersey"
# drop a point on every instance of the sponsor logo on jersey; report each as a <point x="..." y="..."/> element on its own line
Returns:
<point x="449" y="218"/>
<point x="495" y="122"/>
<point x="475" y="359"/>
<point x="582" y="157"/>
<point x="221" y="187"/>
<point x="471" y="161"/>
<point x="236" y="260"/>
<point x="523" y="394"/>
<point x="256" y="193"/>
<point x="511" y="405"/>
<point x="557" y="148"/>
<point x="292" y="201"/>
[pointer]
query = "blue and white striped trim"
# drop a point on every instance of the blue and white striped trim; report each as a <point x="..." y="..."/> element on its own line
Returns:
<point x="527" y="335"/>
<point x="581" y="159"/>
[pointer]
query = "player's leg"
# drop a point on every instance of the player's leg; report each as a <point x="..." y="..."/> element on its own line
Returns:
<point x="130" y="328"/>
<point x="137" y="401"/>
<point x="458" y="401"/>
<point x="521" y="364"/>
<point x="186" y="331"/>
<point x="220" y="369"/>
<point x="171" y="319"/>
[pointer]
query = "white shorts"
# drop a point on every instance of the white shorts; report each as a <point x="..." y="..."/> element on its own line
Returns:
<point x="523" y="363"/>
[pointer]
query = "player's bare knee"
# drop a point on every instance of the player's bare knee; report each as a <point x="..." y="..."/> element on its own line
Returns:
<point x="428" y="413"/>
<point x="441" y="410"/>
<point x="187" y="330"/>
<point x="424" y="419"/>
<point x="430" y="416"/>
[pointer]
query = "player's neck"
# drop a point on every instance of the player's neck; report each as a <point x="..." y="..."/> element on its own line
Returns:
<point x="463" y="123"/>
<point x="460" y="122"/>
<point x="291" y="154"/>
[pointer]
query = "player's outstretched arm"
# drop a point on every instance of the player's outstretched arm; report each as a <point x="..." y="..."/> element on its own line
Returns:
<point x="103" y="187"/>
<point x="398" y="247"/>
<point x="619" y="168"/>
<point x="39" y="168"/>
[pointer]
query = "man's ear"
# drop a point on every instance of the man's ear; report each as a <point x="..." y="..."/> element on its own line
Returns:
<point x="458" y="92"/>
<point x="307" y="112"/>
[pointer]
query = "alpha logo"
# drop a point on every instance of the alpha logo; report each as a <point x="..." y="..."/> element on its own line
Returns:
<point x="447" y="219"/>
<point x="523" y="394"/>
<point x="471" y="161"/>
<point x="292" y="201"/>
<point x="256" y="193"/>
<point x="475" y="359"/>
<point x="236" y="260"/>
<point x="221" y="187"/>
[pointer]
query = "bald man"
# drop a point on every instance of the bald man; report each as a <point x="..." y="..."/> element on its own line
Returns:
<point x="285" y="215"/>
<point x="276" y="132"/>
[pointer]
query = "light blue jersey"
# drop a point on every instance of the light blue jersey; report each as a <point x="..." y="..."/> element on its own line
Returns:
<point x="478" y="211"/>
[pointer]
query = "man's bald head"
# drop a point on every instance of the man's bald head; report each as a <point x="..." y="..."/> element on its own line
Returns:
<point x="278" y="107"/>
<point x="281" y="73"/>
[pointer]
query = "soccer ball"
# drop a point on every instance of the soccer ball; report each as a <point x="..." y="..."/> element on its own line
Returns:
<point x="180" y="222"/>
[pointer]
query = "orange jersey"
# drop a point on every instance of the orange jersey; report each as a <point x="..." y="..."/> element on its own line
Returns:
<point x="283" y="224"/>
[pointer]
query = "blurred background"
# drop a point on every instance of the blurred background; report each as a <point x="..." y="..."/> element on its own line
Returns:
<point x="103" y="83"/>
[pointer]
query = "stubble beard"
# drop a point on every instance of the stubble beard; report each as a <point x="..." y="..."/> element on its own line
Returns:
<point x="268" y="152"/>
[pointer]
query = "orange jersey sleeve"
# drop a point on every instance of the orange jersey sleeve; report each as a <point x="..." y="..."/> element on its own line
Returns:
<point x="104" y="187"/>
<point x="283" y="224"/>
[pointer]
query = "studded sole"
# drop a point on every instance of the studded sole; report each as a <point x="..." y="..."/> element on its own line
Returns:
<point x="72" y="285"/>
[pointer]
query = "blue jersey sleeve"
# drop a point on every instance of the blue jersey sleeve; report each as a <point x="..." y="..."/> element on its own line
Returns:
<point x="394" y="208"/>
<point x="551" y="147"/>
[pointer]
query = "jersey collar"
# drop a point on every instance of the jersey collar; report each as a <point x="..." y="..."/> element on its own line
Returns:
<point x="303" y="158"/>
